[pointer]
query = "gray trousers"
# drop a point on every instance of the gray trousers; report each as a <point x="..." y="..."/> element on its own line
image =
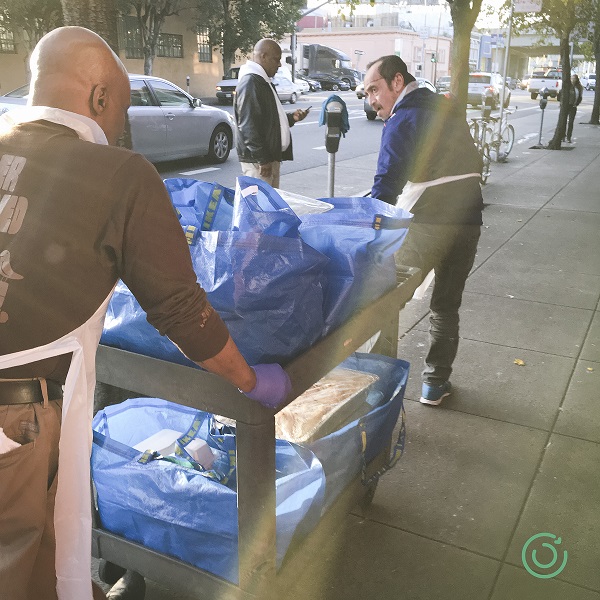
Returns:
<point x="450" y="251"/>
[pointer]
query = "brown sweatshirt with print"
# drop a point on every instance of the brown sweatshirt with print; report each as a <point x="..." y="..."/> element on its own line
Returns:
<point x="75" y="217"/>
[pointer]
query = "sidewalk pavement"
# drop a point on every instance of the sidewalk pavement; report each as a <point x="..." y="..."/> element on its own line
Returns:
<point x="514" y="451"/>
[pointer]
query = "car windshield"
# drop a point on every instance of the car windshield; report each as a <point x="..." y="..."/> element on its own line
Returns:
<point x="479" y="78"/>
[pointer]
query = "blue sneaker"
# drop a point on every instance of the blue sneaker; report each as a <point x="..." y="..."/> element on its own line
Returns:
<point x="434" y="394"/>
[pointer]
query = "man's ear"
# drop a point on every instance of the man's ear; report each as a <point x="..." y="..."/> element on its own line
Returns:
<point x="398" y="82"/>
<point x="98" y="99"/>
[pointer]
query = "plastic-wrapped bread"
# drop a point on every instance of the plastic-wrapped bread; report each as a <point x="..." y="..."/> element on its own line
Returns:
<point x="328" y="405"/>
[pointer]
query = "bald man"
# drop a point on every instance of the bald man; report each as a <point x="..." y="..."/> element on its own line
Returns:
<point x="264" y="139"/>
<point x="77" y="214"/>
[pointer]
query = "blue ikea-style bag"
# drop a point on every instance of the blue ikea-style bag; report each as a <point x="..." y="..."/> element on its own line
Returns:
<point x="178" y="510"/>
<point x="263" y="279"/>
<point x="360" y="236"/>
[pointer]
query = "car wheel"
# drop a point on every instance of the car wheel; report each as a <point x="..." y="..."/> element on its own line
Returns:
<point x="335" y="87"/>
<point x="534" y="95"/>
<point x="371" y="116"/>
<point x="220" y="144"/>
<point x="293" y="98"/>
<point x="507" y="101"/>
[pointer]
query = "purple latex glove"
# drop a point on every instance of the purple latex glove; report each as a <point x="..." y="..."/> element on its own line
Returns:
<point x="272" y="385"/>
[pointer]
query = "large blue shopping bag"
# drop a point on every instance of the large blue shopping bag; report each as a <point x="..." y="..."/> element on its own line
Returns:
<point x="259" y="274"/>
<point x="360" y="235"/>
<point x="172" y="505"/>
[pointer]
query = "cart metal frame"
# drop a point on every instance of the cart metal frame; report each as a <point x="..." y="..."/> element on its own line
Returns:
<point x="255" y="441"/>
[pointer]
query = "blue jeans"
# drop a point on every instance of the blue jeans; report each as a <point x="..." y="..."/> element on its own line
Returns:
<point x="450" y="251"/>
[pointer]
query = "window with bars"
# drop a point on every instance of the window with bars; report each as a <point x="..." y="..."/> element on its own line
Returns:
<point x="131" y="37"/>
<point x="7" y="40"/>
<point x="170" y="45"/>
<point x="204" y="47"/>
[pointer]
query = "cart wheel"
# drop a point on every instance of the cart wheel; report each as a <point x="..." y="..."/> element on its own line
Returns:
<point x="130" y="587"/>
<point x="109" y="572"/>
<point x="367" y="498"/>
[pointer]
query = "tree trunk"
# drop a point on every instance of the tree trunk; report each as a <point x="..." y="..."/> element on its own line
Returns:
<point x="561" y="126"/>
<point x="595" y="119"/>
<point x="98" y="15"/>
<point x="464" y="14"/>
<point x="460" y="64"/>
<point x="148" y="61"/>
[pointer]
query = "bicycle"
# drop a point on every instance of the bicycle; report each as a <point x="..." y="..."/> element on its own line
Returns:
<point x="484" y="128"/>
<point x="479" y="130"/>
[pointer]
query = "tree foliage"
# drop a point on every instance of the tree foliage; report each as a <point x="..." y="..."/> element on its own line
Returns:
<point x="151" y="15"/>
<point x="34" y="18"/>
<point x="236" y="25"/>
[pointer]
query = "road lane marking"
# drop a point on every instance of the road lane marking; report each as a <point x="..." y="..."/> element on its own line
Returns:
<point x="198" y="171"/>
<point x="319" y="148"/>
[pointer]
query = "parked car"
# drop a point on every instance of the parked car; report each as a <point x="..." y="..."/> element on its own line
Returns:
<point x="314" y="85"/>
<point x="286" y="89"/>
<point x="550" y="80"/>
<point x="588" y="81"/>
<point x="371" y="114"/>
<point x="482" y="84"/>
<point x="360" y="90"/>
<point x="302" y="85"/>
<point x="443" y="84"/>
<point x="330" y="82"/>
<point x="225" y="89"/>
<point x="166" y="122"/>
<point x="511" y="83"/>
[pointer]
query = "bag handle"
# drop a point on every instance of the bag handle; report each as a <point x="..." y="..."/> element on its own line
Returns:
<point x="395" y="454"/>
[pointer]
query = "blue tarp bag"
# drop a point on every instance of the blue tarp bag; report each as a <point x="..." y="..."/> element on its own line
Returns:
<point x="269" y="289"/>
<point x="173" y="508"/>
<point x="360" y="235"/>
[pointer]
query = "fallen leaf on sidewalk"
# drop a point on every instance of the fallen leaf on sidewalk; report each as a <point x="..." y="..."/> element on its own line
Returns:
<point x="519" y="362"/>
<point x="589" y="369"/>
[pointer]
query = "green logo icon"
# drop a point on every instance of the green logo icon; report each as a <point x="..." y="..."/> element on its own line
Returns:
<point x="541" y="566"/>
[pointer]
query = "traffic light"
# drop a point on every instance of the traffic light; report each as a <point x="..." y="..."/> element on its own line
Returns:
<point x="433" y="58"/>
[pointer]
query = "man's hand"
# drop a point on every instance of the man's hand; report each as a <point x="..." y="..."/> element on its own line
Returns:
<point x="265" y="170"/>
<point x="300" y="114"/>
<point x="272" y="385"/>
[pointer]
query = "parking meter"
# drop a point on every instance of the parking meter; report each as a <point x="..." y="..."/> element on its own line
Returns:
<point x="543" y="98"/>
<point x="486" y="104"/>
<point x="333" y="121"/>
<point x="187" y="82"/>
<point x="543" y="103"/>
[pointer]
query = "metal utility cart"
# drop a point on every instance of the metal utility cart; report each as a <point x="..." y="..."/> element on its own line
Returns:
<point x="255" y="439"/>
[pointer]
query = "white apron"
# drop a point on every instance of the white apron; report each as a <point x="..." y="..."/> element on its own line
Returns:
<point x="72" y="515"/>
<point x="411" y="192"/>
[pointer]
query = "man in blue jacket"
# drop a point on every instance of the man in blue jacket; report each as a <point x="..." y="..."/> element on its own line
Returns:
<point x="428" y="164"/>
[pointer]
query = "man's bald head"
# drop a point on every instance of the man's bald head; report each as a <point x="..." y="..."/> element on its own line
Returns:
<point x="267" y="54"/>
<point x="73" y="68"/>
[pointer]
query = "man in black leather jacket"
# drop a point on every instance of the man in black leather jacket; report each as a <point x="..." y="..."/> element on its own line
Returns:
<point x="264" y="138"/>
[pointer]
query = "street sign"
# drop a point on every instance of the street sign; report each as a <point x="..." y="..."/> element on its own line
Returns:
<point x="424" y="33"/>
<point x="527" y="6"/>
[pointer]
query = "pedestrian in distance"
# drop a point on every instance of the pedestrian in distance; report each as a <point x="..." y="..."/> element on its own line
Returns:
<point x="575" y="98"/>
<point x="77" y="214"/>
<point x="428" y="165"/>
<point x="263" y="128"/>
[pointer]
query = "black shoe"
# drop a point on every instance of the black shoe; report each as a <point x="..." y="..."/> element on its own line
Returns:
<point x="130" y="587"/>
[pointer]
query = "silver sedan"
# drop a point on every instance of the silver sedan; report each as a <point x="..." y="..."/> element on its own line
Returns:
<point x="166" y="122"/>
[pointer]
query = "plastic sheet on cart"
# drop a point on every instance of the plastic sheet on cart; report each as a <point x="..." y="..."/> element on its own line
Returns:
<point x="182" y="512"/>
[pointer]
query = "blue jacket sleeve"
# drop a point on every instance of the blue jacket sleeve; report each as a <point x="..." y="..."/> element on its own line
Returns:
<point x="398" y="145"/>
